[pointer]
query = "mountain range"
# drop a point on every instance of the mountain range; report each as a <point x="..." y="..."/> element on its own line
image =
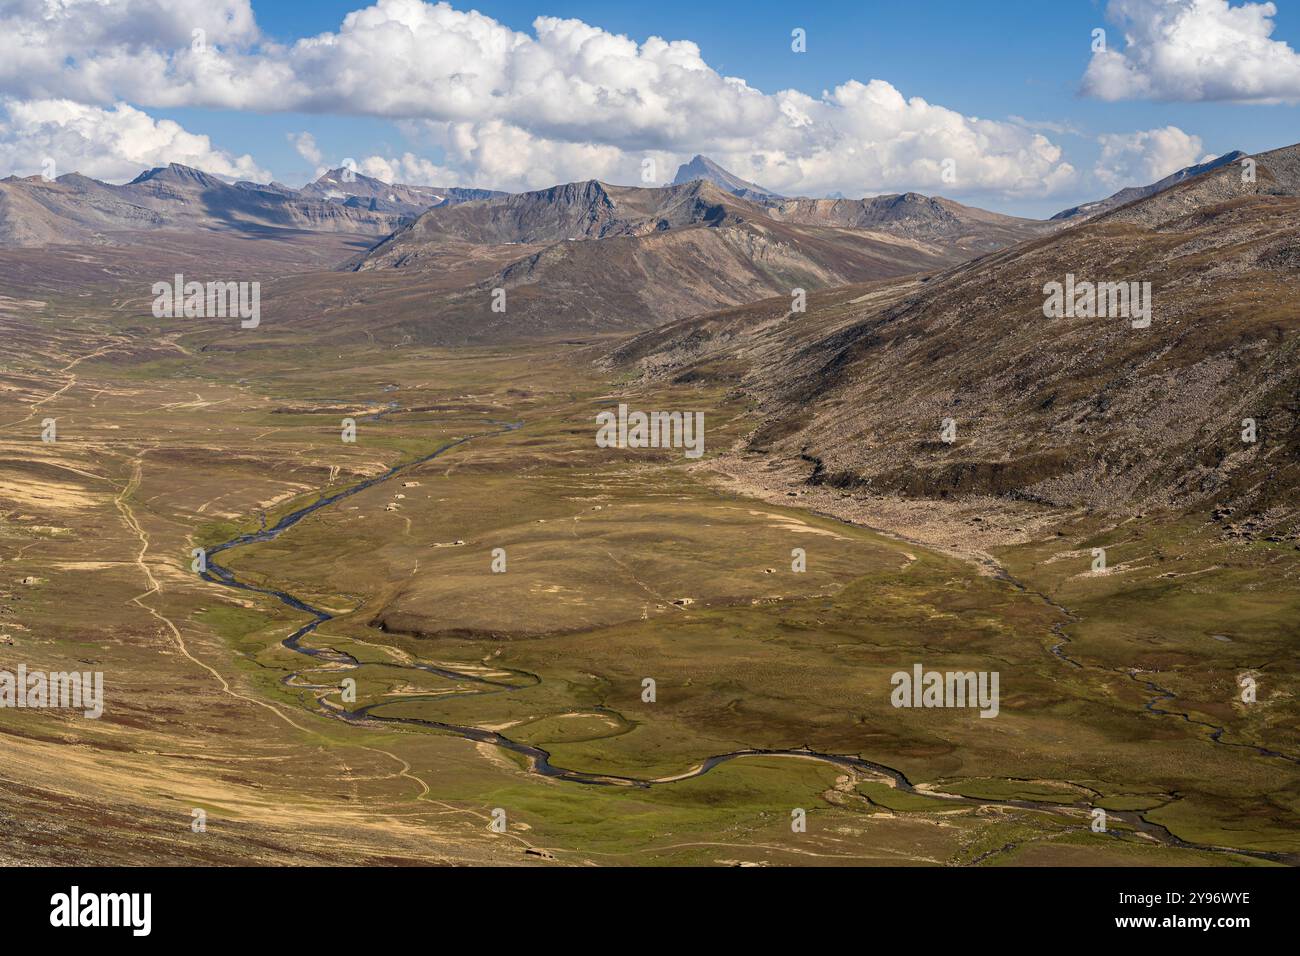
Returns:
<point x="593" y="256"/>
<point x="573" y="259"/>
<point x="1069" y="412"/>
<point x="352" y="187"/>
<point x="77" y="209"/>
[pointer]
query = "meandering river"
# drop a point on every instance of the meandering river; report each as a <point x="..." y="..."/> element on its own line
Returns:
<point x="538" y="760"/>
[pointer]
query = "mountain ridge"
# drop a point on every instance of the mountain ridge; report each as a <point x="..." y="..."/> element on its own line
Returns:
<point x="77" y="208"/>
<point x="1132" y="193"/>
<point x="606" y="257"/>
<point x="1068" y="413"/>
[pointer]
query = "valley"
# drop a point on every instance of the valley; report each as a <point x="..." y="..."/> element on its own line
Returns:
<point x="621" y="566"/>
<point x="370" y="583"/>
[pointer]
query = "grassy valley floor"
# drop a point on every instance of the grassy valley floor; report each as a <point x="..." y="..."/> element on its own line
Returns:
<point x="1119" y="691"/>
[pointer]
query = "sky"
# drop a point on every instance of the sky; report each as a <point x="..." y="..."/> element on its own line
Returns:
<point x="1018" y="106"/>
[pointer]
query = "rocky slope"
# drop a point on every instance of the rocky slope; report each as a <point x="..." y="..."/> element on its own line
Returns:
<point x="1078" y="412"/>
<point x="1133" y="193"/>
<point x="591" y="256"/>
<point x="929" y="219"/>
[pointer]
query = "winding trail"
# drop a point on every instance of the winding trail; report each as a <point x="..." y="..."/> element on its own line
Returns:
<point x="72" y="380"/>
<point x="128" y="516"/>
<point x="538" y="760"/>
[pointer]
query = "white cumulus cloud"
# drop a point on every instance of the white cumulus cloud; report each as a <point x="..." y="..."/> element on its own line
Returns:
<point x="100" y="50"/>
<point x="109" y="144"/>
<point x="305" y="144"/>
<point x="1195" y="50"/>
<point x="408" y="168"/>
<point x="1136" y="159"/>
<point x="568" y="100"/>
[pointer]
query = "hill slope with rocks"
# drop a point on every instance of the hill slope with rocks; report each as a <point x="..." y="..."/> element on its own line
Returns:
<point x="1078" y="412"/>
<point x="591" y="256"/>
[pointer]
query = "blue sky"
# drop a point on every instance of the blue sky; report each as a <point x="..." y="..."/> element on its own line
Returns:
<point x="1031" y="118"/>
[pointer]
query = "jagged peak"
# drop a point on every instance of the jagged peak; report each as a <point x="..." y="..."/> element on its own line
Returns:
<point x="702" y="168"/>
